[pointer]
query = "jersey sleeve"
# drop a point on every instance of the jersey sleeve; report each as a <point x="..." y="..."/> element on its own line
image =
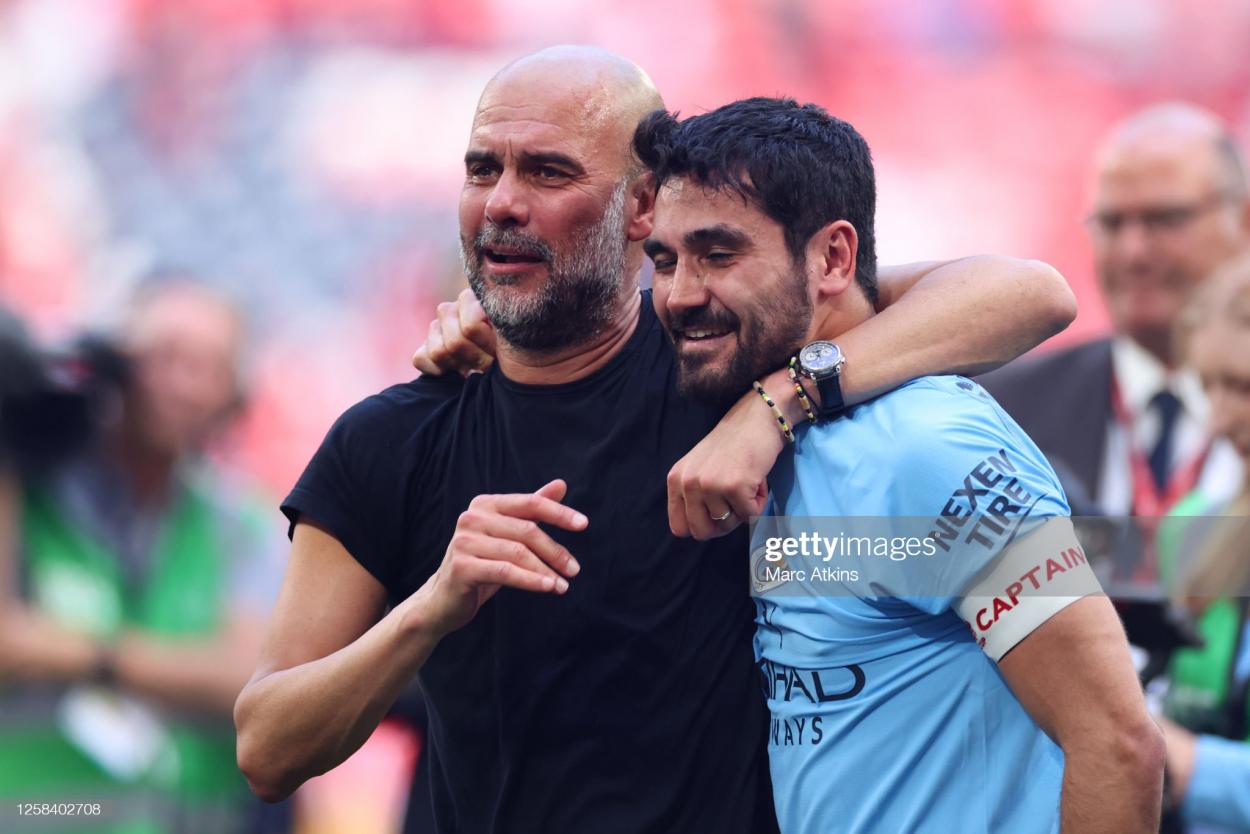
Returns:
<point x="1006" y="555"/>
<point x="353" y="486"/>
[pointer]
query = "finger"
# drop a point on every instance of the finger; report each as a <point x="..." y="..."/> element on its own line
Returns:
<point x="555" y="490"/>
<point x="744" y="503"/>
<point x="697" y="517"/>
<point x="475" y="571"/>
<point x="676" y="505"/>
<point x="435" y="350"/>
<point x="460" y="351"/>
<point x="537" y="508"/>
<point x="475" y="325"/>
<point x="507" y="550"/>
<point x="527" y="533"/>
<point x="421" y="361"/>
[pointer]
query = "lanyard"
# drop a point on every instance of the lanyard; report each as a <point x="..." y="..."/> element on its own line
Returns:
<point x="1149" y="503"/>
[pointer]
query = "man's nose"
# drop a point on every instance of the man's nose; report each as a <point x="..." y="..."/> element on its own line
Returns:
<point x="507" y="204"/>
<point x="689" y="289"/>
<point x="1131" y="242"/>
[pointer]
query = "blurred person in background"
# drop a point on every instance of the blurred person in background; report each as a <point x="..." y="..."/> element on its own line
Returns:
<point x="1205" y="563"/>
<point x="137" y="586"/>
<point x="1119" y="417"/>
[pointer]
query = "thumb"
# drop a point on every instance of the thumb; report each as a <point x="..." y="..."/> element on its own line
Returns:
<point x="555" y="490"/>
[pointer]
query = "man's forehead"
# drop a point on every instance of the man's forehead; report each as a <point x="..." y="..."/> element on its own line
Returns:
<point x="1162" y="169"/>
<point x="680" y="196"/>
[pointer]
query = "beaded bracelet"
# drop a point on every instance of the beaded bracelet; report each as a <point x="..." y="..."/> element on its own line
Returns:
<point x="804" y="401"/>
<point x="782" y="424"/>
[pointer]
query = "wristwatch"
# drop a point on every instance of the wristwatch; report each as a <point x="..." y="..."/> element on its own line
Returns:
<point x="822" y="362"/>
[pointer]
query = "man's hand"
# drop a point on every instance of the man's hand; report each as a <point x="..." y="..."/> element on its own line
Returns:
<point x="34" y="648"/>
<point x="1182" y="753"/>
<point x="725" y="472"/>
<point x="461" y="339"/>
<point x="498" y="543"/>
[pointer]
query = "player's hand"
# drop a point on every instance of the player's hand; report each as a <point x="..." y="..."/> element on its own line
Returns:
<point x="461" y="339"/>
<point x="725" y="473"/>
<point x="498" y="543"/>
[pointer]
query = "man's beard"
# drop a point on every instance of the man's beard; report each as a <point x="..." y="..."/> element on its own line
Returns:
<point x="777" y="325"/>
<point x="583" y="286"/>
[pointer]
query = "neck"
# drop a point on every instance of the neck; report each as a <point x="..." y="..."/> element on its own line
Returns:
<point x="577" y="361"/>
<point x="1159" y="348"/>
<point x="831" y="320"/>
<point x="149" y="471"/>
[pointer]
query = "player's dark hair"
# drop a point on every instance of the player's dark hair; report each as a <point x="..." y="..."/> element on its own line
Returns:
<point x="801" y="166"/>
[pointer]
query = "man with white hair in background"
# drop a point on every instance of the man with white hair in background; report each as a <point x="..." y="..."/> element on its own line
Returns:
<point x="1119" y="415"/>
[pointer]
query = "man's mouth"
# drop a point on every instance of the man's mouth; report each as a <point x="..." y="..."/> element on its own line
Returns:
<point x="705" y="333"/>
<point x="510" y="256"/>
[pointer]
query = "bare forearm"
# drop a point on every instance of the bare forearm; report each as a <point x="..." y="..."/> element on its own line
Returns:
<point x="1110" y="791"/>
<point x="297" y="723"/>
<point x="965" y="316"/>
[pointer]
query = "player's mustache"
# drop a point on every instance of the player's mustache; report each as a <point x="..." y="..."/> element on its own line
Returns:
<point x="703" y="318"/>
<point x="513" y="240"/>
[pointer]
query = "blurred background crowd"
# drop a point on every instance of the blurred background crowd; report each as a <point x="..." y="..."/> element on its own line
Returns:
<point x="224" y="221"/>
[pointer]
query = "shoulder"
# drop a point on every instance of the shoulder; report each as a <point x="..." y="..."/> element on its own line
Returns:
<point x="933" y="434"/>
<point x="399" y="412"/>
<point x="918" y="416"/>
<point x="1080" y="361"/>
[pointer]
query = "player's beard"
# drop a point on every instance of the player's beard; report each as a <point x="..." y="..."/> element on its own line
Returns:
<point x="768" y="333"/>
<point x="583" y="287"/>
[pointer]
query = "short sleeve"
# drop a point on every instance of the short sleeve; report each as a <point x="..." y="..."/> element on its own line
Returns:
<point x="1008" y="557"/>
<point x="353" y="486"/>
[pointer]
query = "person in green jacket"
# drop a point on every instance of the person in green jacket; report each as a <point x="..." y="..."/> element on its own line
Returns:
<point x="1205" y="565"/>
<point x="137" y="589"/>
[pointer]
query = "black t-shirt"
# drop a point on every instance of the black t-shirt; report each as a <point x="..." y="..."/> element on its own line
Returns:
<point x="630" y="704"/>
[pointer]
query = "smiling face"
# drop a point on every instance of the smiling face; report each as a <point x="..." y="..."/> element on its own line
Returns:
<point x="730" y="296"/>
<point x="1163" y="220"/>
<point x="545" y="211"/>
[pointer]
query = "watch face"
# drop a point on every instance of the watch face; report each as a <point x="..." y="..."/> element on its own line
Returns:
<point x="820" y="357"/>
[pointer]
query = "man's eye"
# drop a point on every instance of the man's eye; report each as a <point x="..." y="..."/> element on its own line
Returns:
<point x="664" y="264"/>
<point x="719" y="258"/>
<point x="548" y="173"/>
<point x="483" y="171"/>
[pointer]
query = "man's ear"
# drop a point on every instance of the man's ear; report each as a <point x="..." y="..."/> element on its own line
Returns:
<point x="833" y="250"/>
<point x="641" y="198"/>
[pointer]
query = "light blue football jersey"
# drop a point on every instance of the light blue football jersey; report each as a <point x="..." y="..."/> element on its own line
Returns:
<point x="886" y="715"/>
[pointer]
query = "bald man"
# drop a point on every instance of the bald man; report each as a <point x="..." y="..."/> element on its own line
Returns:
<point x="1118" y="415"/>
<point x="613" y="690"/>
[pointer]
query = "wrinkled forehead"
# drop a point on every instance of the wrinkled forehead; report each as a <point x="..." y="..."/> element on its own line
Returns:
<point x="569" y="117"/>
<point x="1166" y="169"/>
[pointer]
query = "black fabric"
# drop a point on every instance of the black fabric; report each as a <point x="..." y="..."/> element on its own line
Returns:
<point x="1062" y="400"/>
<point x="632" y="703"/>
<point x="1169" y="407"/>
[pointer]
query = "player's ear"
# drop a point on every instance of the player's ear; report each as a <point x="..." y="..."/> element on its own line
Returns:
<point x="832" y="250"/>
<point x="640" y="206"/>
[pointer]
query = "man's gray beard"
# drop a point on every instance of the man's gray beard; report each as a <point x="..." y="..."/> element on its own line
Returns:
<point x="580" y="296"/>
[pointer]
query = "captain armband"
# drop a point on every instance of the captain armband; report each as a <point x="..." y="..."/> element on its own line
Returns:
<point x="1031" y="581"/>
